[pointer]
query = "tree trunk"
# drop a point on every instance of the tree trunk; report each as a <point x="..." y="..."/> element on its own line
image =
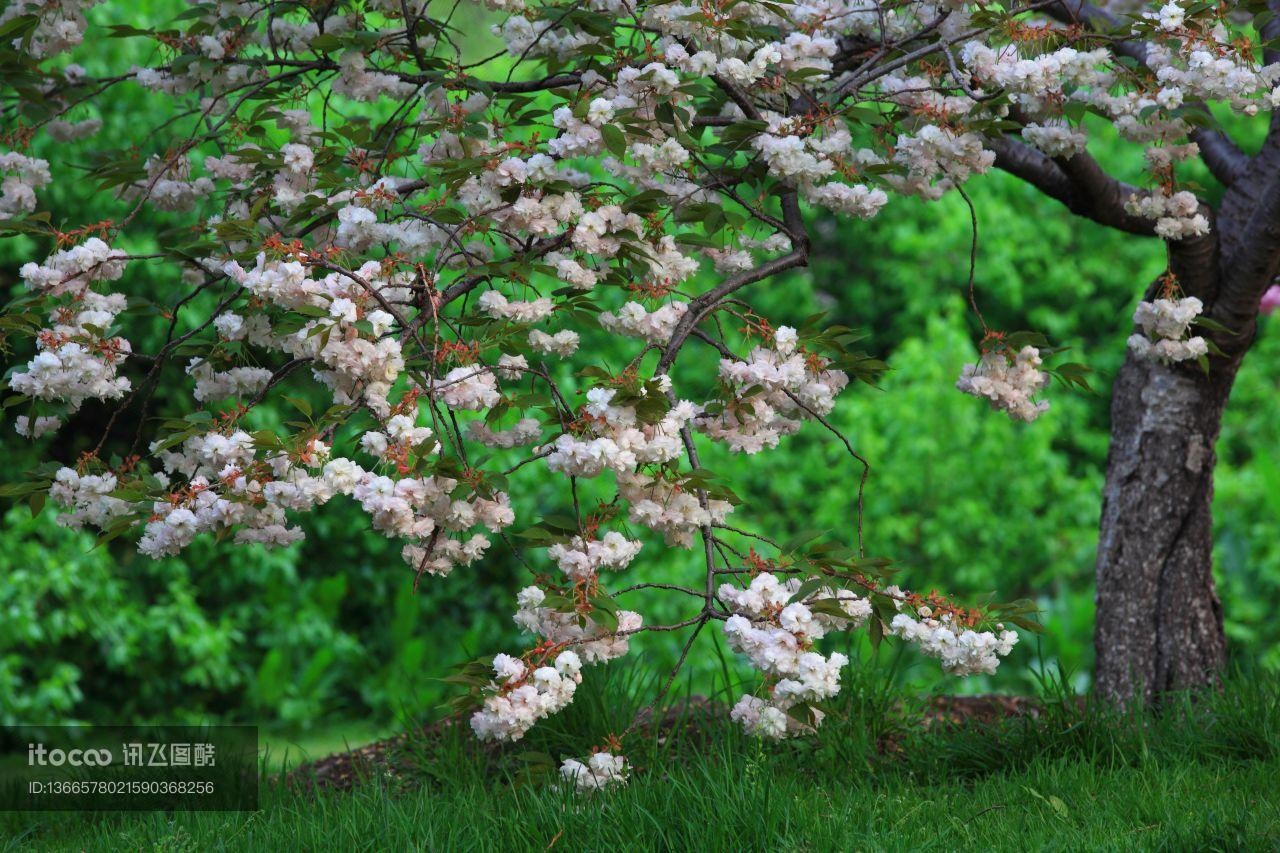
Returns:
<point x="1159" y="620"/>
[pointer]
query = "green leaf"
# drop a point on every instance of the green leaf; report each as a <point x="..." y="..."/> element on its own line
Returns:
<point x="113" y="532"/>
<point x="267" y="440"/>
<point x="300" y="404"/>
<point x="18" y="490"/>
<point x="1213" y="325"/>
<point x="604" y="612"/>
<point x="559" y="603"/>
<point x="16" y="28"/>
<point x="325" y="43"/>
<point x="875" y="631"/>
<point x="614" y="140"/>
<point x="809" y="587"/>
<point x="830" y="607"/>
<point x="1073" y="374"/>
<point x="737" y="134"/>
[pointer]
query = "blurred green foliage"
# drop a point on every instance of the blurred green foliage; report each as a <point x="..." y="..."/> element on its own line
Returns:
<point x="291" y="636"/>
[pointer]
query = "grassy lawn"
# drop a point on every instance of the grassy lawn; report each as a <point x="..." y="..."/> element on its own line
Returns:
<point x="1202" y="775"/>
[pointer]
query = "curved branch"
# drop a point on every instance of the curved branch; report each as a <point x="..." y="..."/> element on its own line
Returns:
<point x="703" y="305"/>
<point x="1252" y="253"/>
<point x="1078" y="182"/>
<point x="1223" y="157"/>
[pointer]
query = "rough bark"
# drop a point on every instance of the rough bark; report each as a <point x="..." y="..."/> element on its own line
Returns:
<point x="1159" y="620"/>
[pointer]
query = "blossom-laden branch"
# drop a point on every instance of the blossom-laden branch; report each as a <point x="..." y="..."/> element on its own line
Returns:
<point x="426" y="255"/>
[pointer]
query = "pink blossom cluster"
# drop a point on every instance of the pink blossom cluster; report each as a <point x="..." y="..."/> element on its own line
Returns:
<point x="601" y="770"/>
<point x="1009" y="381"/>
<point x="522" y="696"/>
<point x="962" y="650"/>
<point x="1165" y="325"/>
<point x="778" y="635"/>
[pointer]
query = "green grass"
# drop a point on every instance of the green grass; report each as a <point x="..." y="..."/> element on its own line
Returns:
<point x="1200" y="775"/>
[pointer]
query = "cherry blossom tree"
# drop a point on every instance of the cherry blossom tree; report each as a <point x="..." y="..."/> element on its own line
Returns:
<point x="439" y="244"/>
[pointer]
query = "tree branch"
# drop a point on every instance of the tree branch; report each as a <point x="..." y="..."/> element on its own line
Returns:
<point x="1223" y="157"/>
<point x="1079" y="183"/>
<point x="703" y="305"/>
<point x="1251" y="250"/>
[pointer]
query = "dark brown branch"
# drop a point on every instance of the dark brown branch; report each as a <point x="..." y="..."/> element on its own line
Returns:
<point x="866" y="466"/>
<point x="1078" y="182"/>
<point x="1251" y="249"/>
<point x="516" y="87"/>
<point x="703" y="305"/>
<point x="1223" y="157"/>
<point x="1099" y="21"/>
